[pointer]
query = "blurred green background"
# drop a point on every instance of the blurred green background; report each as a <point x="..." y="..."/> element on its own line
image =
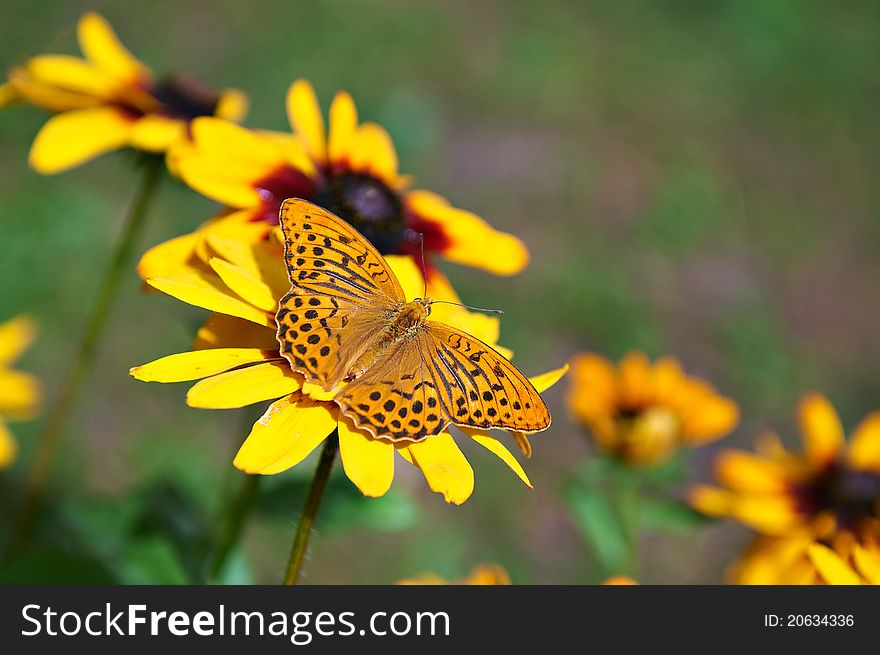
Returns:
<point x="692" y="178"/>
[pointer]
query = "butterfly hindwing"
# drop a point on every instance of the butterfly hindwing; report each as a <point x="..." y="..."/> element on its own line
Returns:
<point x="396" y="398"/>
<point x="479" y="387"/>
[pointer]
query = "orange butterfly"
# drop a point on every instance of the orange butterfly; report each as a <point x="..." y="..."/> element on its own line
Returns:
<point x="346" y="320"/>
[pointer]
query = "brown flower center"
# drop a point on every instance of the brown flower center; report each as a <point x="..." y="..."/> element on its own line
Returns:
<point x="852" y="496"/>
<point x="369" y="206"/>
<point x="184" y="96"/>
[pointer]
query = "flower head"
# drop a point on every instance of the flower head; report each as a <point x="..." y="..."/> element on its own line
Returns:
<point x="480" y="575"/>
<point x="19" y="392"/>
<point x="830" y="488"/>
<point x="237" y="361"/>
<point x="643" y="412"/>
<point x="108" y="99"/>
<point x="350" y="169"/>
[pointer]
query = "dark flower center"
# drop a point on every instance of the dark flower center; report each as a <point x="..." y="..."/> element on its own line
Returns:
<point x="369" y="206"/>
<point x="852" y="496"/>
<point x="183" y="96"/>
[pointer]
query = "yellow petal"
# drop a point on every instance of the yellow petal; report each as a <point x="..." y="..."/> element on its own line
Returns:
<point x="444" y="466"/>
<point x="343" y="127"/>
<point x="222" y="331"/>
<point x="248" y="287"/>
<point x="205" y="291"/>
<point x="71" y="74"/>
<point x="317" y="392"/>
<point x="497" y="448"/>
<point x="74" y="137"/>
<point x="821" y="428"/>
<point x="8" y="94"/>
<point x="373" y="154"/>
<point x="100" y="44"/>
<point x="546" y="380"/>
<point x="619" y="580"/>
<point x="262" y="260"/>
<point x="16" y="336"/>
<point x="746" y="472"/>
<point x="864" y="446"/>
<point x="709" y="418"/>
<point x="156" y="133"/>
<point x="232" y="106"/>
<point x="304" y="114"/>
<point x="244" y="386"/>
<point x="593" y="391"/>
<point x="472" y="240"/>
<point x="171" y="258"/>
<point x="8" y="446"/>
<point x="22" y="86"/>
<point x="635" y="379"/>
<point x="867" y="561"/>
<point x="831" y="566"/>
<point x="198" y="364"/>
<point x="19" y="394"/>
<point x="710" y="500"/>
<point x="285" y="435"/>
<point x="368" y="462"/>
<point x="773" y="515"/>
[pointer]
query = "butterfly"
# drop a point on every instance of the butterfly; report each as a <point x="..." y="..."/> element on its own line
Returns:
<point x="346" y="323"/>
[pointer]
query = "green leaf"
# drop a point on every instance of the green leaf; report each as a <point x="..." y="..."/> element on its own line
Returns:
<point x="668" y="514"/>
<point x="152" y="560"/>
<point x="598" y="522"/>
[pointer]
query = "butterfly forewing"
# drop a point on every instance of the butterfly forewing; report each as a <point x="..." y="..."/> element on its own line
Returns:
<point x="341" y="292"/>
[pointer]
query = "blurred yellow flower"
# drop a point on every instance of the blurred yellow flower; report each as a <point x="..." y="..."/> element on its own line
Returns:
<point x="19" y="392"/>
<point x="108" y="99"/>
<point x="236" y="358"/>
<point x="643" y="412"/>
<point x="481" y="575"/>
<point x="798" y="559"/>
<point x="351" y="169"/>
<point x="620" y="581"/>
<point x="831" y="487"/>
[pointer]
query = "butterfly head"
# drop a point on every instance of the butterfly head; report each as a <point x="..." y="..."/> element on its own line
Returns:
<point x="425" y="304"/>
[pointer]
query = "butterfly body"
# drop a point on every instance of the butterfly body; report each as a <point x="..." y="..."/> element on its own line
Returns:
<point x="346" y="325"/>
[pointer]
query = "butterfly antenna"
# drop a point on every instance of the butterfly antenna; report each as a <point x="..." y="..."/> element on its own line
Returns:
<point x="476" y="309"/>
<point x="424" y="266"/>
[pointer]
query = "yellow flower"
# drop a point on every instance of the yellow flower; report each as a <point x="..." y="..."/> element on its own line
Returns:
<point x="107" y="100"/>
<point x="643" y="413"/>
<point x="350" y="170"/>
<point x="620" y="581"/>
<point x="481" y="575"/>
<point x="798" y="559"/>
<point x="19" y="392"/>
<point x="237" y="362"/>
<point x="830" y="488"/>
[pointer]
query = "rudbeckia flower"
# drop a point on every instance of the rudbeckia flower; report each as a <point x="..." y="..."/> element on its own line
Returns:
<point x="643" y="412"/>
<point x="19" y="392"/>
<point x="832" y="487"/>
<point x="351" y="169"/>
<point x="237" y="361"/>
<point x="799" y="559"/>
<point x="481" y="575"/>
<point x="860" y="566"/>
<point x="108" y="100"/>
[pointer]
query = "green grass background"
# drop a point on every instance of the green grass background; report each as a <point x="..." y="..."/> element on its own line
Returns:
<point x="692" y="178"/>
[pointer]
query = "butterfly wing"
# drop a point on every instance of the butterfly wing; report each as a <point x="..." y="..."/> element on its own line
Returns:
<point x="441" y="375"/>
<point x="478" y="386"/>
<point x="342" y="292"/>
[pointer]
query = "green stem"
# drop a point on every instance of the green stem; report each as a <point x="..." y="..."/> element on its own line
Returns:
<point x="310" y="509"/>
<point x="237" y="517"/>
<point x="629" y="497"/>
<point x="56" y="421"/>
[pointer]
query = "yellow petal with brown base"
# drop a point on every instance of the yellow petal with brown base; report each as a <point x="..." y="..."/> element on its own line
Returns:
<point x="473" y="241"/>
<point x="244" y="386"/>
<point x="368" y="462"/>
<point x="285" y="435"/>
<point x="75" y="137"/>
<point x="198" y="364"/>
